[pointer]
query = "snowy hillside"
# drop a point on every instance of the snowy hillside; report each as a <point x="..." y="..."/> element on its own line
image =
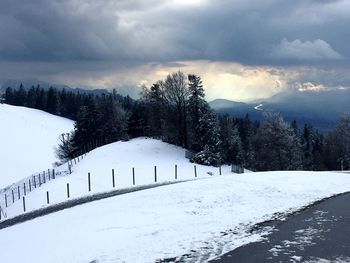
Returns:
<point x="202" y="218"/>
<point x="140" y="154"/>
<point x="27" y="140"/>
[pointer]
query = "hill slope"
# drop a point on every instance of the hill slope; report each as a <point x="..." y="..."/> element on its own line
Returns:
<point x="202" y="219"/>
<point x="27" y="141"/>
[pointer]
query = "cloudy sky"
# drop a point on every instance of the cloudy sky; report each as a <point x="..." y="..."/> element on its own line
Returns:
<point x="243" y="49"/>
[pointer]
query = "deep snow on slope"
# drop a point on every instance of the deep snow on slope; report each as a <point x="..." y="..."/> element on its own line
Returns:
<point x="27" y="141"/>
<point x="203" y="218"/>
<point x="142" y="154"/>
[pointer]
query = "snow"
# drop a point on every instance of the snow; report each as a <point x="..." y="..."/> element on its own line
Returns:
<point x="202" y="219"/>
<point x="22" y="131"/>
<point x="142" y="154"/>
<point x="196" y="220"/>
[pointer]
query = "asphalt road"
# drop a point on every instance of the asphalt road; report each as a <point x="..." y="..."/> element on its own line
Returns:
<point x="320" y="233"/>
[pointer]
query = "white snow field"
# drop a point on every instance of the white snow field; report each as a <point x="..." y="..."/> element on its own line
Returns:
<point x="202" y="219"/>
<point x="27" y="141"/>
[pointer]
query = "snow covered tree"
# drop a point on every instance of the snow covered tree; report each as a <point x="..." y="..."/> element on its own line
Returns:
<point x="277" y="145"/>
<point x="231" y="144"/>
<point x="338" y="145"/>
<point x="210" y="139"/>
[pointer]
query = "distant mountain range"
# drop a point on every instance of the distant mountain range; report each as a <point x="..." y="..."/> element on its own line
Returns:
<point x="27" y="84"/>
<point x="322" y="109"/>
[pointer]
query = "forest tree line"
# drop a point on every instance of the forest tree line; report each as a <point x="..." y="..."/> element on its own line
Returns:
<point x="175" y="110"/>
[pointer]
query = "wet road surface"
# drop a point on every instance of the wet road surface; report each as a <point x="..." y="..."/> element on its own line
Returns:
<point x="320" y="233"/>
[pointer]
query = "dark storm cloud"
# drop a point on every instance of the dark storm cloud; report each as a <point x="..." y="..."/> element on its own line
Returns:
<point x="242" y="31"/>
<point x="135" y="32"/>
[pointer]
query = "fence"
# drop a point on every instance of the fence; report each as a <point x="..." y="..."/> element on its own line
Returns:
<point x="16" y="191"/>
<point x="111" y="186"/>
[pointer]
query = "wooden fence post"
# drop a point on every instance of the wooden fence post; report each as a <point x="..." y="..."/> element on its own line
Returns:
<point x="39" y="180"/>
<point x="133" y="176"/>
<point x="220" y="170"/>
<point x="19" y="192"/>
<point x="6" y="200"/>
<point x="13" y="196"/>
<point x="47" y="197"/>
<point x="30" y="186"/>
<point x="113" y="179"/>
<point x="155" y="174"/>
<point x="34" y="181"/>
<point x="24" y="204"/>
<point x="25" y="189"/>
<point x="53" y="174"/>
<point x="68" y="194"/>
<point x="89" y="182"/>
<point x="48" y="172"/>
<point x="195" y="171"/>
<point x="175" y="171"/>
<point x="44" y="177"/>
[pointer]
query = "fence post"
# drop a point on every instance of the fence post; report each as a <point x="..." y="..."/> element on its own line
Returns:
<point x="19" y="192"/>
<point x="13" y="196"/>
<point x="155" y="174"/>
<point x="30" y="186"/>
<point x="89" y="182"/>
<point x="44" y="177"/>
<point x="220" y="170"/>
<point x="48" y="172"/>
<point x="53" y="174"/>
<point x="195" y="171"/>
<point x="24" y="187"/>
<point x="6" y="200"/>
<point x="39" y="180"/>
<point x="34" y="182"/>
<point x="113" y="179"/>
<point x="175" y="171"/>
<point x="24" y="204"/>
<point x="47" y="197"/>
<point x="133" y="176"/>
<point x="68" y="194"/>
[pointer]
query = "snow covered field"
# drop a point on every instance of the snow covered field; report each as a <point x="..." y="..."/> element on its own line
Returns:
<point x="201" y="219"/>
<point x="191" y="221"/>
<point x="22" y="131"/>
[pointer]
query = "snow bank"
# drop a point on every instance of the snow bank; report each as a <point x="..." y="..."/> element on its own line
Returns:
<point x="27" y="139"/>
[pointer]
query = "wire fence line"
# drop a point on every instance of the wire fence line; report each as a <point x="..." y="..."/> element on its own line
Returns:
<point x="66" y="192"/>
<point x="14" y="192"/>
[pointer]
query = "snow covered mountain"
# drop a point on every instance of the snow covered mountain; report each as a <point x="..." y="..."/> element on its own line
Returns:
<point x="27" y="141"/>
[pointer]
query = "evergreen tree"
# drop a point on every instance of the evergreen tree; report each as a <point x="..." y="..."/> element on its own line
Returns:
<point x="196" y="107"/>
<point x="210" y="139"/>
<point x="277" y="145"/>
<point x="52" y="101"/>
